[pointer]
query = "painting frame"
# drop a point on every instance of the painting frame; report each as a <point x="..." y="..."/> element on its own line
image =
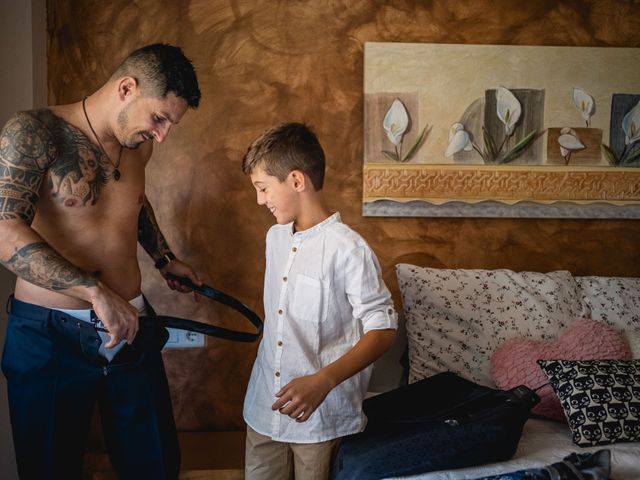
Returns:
<point x="420" y="99"/>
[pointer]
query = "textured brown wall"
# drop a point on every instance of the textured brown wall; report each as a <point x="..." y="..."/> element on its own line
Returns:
<point x="260" y="62"/>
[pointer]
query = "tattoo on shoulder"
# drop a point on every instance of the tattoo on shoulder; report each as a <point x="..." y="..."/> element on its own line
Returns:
<point x="41" y="265"/>
<point x="38" y="145"/>
<point x="26" y="151"/>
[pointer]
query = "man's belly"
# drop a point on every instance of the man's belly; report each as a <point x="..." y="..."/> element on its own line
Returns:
<point x="123" y="278"/>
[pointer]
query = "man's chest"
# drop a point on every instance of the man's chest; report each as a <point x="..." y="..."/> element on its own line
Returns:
<point x="77" y="194"/>
<point x="83" y="177"/>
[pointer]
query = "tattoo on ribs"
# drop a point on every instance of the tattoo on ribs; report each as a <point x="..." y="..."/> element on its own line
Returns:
<point x="41" y="265"/>
<point x="149" y="234"/>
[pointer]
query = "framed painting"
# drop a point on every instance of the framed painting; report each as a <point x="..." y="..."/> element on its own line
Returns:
<point x="501" y="131"/>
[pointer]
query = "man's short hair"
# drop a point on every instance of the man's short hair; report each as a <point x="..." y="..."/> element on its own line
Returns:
<point x="160" y="69"/>
<point x="286" y="147"/>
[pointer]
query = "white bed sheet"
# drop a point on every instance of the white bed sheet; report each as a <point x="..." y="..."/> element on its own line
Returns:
<point x="544" y="442"/>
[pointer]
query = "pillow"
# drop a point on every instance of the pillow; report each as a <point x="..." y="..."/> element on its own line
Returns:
<point x="614" y="300"/>
<point x="455" y="319"/>
<point x="514" y="362"/>
<point x="600" y="398"/>
<point x="633" y="339"/>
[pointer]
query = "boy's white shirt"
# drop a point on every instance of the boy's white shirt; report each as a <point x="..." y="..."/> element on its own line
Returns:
<point x="323" y="290"/>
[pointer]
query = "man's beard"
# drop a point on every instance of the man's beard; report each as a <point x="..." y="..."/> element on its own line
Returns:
<point x="123" y="121"/>
<point x="132" y="146"/>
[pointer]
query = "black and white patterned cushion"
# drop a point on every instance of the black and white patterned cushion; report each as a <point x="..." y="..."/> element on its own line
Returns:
<point x="600" y="398"/>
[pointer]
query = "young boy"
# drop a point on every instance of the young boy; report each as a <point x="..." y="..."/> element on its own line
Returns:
<point x="328" y="316"/>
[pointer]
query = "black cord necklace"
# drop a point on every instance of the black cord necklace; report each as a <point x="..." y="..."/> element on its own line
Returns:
<point x="116" y="171"/>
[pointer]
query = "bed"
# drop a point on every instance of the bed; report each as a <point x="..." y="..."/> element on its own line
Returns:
<point x="460" y="320"/>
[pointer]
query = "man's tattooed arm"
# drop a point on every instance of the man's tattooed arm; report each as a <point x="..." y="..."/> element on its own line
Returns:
<point x="41" y="265"/>
<point x="26" y="153"/>
<point x="149" y="234"/>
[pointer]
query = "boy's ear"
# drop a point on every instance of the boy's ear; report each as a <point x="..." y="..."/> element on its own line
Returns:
<point x="298" y="180"/>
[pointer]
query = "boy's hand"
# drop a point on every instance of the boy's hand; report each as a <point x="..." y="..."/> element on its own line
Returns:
<point x="300" y="397"/>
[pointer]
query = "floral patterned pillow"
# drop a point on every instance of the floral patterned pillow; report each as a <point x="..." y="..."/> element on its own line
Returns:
<point x="455" y="319"/>
<point x="614" y="300"/>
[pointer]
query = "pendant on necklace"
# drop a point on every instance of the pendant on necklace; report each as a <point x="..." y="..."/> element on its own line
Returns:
<point x="116" y="174"/>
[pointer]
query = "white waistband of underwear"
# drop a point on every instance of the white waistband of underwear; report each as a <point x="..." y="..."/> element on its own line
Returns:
<point x="84" y="314"/>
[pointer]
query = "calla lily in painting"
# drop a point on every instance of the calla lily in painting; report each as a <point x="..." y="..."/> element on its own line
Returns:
<point x="585" y="104"/>
<point x="459" y="140"/>
<point x="630" y="155"/>
<point x="396" y="122"/>
<point x="569" y="142"/>
<point x="509" y="109"/>
<point x="631" y="125"/>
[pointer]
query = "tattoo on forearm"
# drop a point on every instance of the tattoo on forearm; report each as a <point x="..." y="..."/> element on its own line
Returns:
<point x="149" y="234"/>
<point x="41" y="265"/>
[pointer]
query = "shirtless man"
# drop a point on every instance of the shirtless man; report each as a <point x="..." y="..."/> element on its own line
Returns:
<point x="72" y="209"/>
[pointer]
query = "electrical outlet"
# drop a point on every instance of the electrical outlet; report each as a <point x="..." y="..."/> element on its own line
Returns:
<point x="184" y="339"/>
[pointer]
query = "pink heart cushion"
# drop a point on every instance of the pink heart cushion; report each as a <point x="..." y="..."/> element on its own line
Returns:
<point x="514" y="362"/>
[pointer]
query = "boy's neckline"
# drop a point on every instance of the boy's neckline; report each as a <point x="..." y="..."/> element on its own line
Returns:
<point x="332" y="218"/>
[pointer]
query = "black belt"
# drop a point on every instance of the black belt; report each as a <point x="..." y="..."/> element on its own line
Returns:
<point x="211" y="330"/>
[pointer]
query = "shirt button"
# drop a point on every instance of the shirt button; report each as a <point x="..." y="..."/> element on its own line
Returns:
<point x="284" y="279"/>
<point x="280" y="312"/>
<point x="390" y="311"/>
<point x="277" y="374"/>
<point x="294" y="249"/>
<point x="280" y="343"/>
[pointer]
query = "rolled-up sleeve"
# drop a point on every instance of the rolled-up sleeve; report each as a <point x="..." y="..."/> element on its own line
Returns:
<point x="366" y="291"/>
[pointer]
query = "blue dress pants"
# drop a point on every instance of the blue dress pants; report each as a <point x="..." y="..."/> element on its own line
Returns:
<point x="55" y="377"/>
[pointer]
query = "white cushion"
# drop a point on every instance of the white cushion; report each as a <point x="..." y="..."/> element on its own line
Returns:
<point x="615" y="300"/>
<point x="633" y="339"/>
<point x="455" y="319"/>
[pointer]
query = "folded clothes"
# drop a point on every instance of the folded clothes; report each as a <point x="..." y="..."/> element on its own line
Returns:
<point x="577" y="466"/>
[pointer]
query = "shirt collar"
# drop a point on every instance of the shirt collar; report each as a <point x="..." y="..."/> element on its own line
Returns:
<point x="330" y="220"/>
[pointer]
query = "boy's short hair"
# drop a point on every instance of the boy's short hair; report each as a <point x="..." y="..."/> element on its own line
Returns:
<point x="286" y="147"/>
<point x="160" y="69"/>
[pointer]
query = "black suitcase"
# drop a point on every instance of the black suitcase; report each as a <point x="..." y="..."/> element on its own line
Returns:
<point x="439" y="423"/>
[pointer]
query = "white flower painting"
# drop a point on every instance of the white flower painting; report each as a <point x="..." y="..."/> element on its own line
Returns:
<point x="395" y="125"/>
